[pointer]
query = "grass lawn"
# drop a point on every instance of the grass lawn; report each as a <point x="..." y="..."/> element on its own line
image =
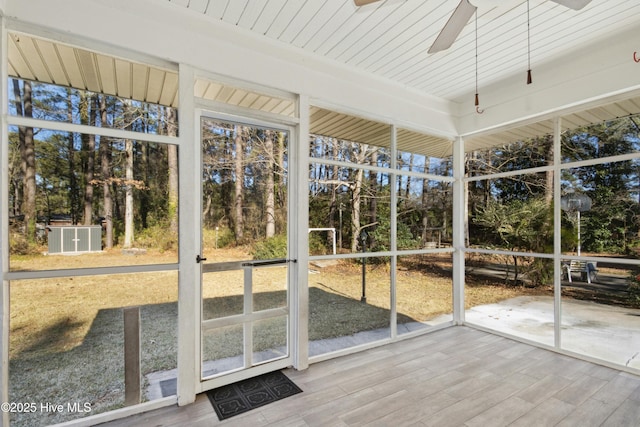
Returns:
<point x="66" y="340"/>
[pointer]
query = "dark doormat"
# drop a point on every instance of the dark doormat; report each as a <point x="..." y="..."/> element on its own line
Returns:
<point x="243" y="396"/>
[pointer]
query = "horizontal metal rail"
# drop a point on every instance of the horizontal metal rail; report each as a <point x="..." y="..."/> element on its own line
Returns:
<point x="266" y="262"/>
<point x="240" y="265"/>
<point x="238" y="319"/>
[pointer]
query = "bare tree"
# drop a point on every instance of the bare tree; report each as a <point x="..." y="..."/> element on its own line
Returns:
<point x="128" y="198"/>
<point x="172" y="158"/>
<point x="333" y="190"/>
<point x="24" y="107"/>
<point x="128" y="176"/>
<point x="356" y="196"/>
<point x="74" y="197"/>
<point x="240" y="132"/>
<point x="425" y="210"/>
<point x="270" y="206"/>
<point x="373" y="189"/>
<point x="281" y="191"/>
<point x="16" y="179"/>
<point x="407" y="189"/>
<point x="548" y="192"/>
<point x="105" y="171"/>
<point x="88" y="116"/>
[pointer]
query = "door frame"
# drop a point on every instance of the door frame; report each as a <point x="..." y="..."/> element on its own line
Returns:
<point x="205" y="384"/>
<point x="188" y="381"/>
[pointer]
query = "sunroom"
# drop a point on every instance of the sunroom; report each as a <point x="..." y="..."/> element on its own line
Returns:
<point x="199" y="192"/>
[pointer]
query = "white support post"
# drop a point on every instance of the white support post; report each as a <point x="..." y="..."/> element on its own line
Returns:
<point x="393" y="300"/>
<point x="333" y="235"/>
<point x="459" y="202"/>
<point x="557" y="232"/>
<point x="189" y="239"/>
<point x="299" y="218"/>
<point x="247" y="327"/>
<point x="4" y="225"/>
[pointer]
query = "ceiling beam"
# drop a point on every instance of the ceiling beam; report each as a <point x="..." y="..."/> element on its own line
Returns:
<point x="563" y="84"/>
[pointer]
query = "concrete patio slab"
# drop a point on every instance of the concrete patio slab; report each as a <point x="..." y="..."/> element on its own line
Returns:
<point x="605" y="332"/>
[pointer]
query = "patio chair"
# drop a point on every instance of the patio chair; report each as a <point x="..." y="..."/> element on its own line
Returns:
<point x="588" y="270"/>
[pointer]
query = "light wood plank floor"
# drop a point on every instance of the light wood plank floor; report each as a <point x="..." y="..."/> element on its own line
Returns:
<point x="454" y="377"/>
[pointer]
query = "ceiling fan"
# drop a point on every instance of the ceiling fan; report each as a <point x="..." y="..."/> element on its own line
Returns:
<point x="461" y="16"/>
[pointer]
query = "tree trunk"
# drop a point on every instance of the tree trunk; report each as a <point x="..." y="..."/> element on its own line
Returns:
<point x="281" y="191"/>
<point x="74" y="196"/>
<point x="333" y="189"/>
<point x="15" y="180"/>
<point x="142" y="167"/>
<point x="548" y="191"/>
<point x="28" y="155"/>
<point x="128" y="197"/>
<point x="172" y="159"/>
<point x="105" y="170"/>
<point x="407" y="191"/>
<point x="469" y="157"/>
<point x="128" y="176"/>
<point x="355" y="210"/>
<point x="373" y="189"/>
<point x="270" y="207"/>
<point x="239" y="179"/>
<point x="88" y="116"/>
<point x="20" y="165"/>
<point x="356" y="196"/>
<point x="425" y="210"/>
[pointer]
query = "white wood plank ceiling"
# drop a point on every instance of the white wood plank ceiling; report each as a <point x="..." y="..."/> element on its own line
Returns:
<point x="390" y="38"/>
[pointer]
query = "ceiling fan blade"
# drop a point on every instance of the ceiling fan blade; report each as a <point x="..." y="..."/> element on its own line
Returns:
<point x="363" y="2"/>
<point x="458" y="19"/>
<point x="573" y="4"/>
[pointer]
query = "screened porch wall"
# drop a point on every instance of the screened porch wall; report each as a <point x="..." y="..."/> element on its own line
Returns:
<point x="552" y="221"/>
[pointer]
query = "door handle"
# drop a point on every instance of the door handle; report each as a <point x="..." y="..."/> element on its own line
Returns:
<point x="199" y="259"/>
<point x="260" y="263"/>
